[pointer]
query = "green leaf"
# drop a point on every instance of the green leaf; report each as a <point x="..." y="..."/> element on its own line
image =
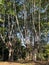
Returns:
<point x="1" y="20"/>
<point x="2" y="29"/>
<point x="0" y="1"/>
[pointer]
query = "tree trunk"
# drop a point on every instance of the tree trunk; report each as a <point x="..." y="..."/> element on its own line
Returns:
<point x="48" y="57"/>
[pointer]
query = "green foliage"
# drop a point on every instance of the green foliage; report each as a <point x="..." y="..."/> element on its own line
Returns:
<point x="19" y="51"/>
<point x="44" y="55"/>
<point x="40" y="56"/>
<point x="47" y="49"/>
<point x="23" y="52"/>
<point x="2" y="30"/>
<point x="0" y="1"/>
<point x="10" y="8"/>
<point x="2" y="46"/>
<point x="1" y="20"/>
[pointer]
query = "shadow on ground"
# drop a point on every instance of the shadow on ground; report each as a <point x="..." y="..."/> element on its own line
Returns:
<point x="25" y="63"/>
<point x="36" y="62"/>
<point x="42" y="63"/>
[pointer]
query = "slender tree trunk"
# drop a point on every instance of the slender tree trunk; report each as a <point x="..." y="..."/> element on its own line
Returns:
<point x="34" y="30"/>
<point x="39" y="18"/>
<point x="48" y="57"/>
<point x="3" y="39"/>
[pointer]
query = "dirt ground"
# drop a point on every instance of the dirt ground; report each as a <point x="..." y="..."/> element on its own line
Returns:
<point x="13" y="63"/>
<point x="28" y="63"/>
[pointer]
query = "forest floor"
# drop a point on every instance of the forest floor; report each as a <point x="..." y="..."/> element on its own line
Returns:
<point x="13" y="63"/>
<point x="27" y="63"/>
